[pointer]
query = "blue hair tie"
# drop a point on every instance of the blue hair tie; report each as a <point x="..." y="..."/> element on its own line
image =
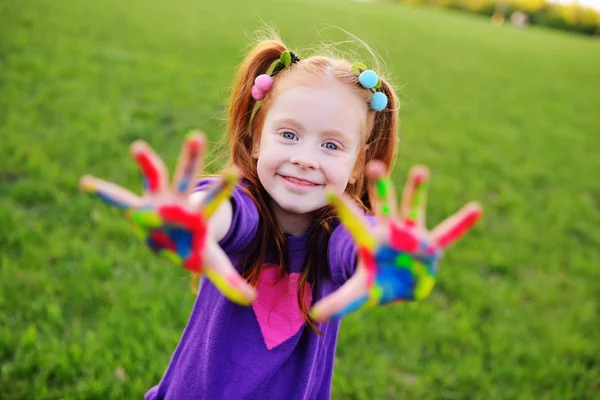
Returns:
<point x="369" y="80"/>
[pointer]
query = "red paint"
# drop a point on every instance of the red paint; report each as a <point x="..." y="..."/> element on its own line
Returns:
<point x="149" y="170"/>
<point x="418" y="179"/>
<point x="193" y="262"/>
<point x="402" y="239"/>
<point x="460" y="228"/>
<point x="190" y="221"/>
<point x="370" y="265"/>
<point x="411" y="223"/>
<point x="193" y="144"/>
<point x="194" y="223"/>
<point x="162" y="240"/>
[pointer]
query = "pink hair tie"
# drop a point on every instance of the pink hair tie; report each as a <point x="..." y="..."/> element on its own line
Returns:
<point x="262" y="84"/>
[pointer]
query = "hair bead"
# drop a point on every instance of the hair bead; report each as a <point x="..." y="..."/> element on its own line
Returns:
<point x="263" y="82"/>
<point x="368" y="79"/>
<point x="257" y="94"/>
<point x="378" y="101"/>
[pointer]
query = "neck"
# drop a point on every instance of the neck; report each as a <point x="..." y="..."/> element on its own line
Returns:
<point x="295" y="224"/>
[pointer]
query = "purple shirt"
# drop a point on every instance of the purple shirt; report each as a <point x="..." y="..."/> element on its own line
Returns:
<point x="262" y="351"/>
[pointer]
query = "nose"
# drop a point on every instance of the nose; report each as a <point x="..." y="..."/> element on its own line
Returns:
<point x="304" y="160"/>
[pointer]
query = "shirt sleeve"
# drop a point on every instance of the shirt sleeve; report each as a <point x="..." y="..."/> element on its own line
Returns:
<point x="342" y="252"/>
<point x="244" y="222"/>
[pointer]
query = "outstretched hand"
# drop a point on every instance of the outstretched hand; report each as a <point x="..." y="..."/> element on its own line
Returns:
<point x="398" y="258"/>
<point x="166" y="220"/>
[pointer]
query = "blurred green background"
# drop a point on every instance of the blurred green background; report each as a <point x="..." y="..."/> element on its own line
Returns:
<point x="506" y="116"/>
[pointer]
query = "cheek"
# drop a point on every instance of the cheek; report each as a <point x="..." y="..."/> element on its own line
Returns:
<point x="340" y="173"/>
<point x="267" y="164"/>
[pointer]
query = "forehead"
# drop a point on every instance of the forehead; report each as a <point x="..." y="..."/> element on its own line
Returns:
<point x="319" y="104"/>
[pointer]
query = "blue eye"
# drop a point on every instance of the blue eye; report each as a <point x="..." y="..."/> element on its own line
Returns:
<point x="330" y="146"/>
<point x="289" y="135"/>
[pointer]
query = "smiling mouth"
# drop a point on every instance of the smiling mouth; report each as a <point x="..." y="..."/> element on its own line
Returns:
<point x="299" y="182"/>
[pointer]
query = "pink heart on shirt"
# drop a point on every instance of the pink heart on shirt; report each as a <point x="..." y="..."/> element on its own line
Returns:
<point x="276" y="306"/>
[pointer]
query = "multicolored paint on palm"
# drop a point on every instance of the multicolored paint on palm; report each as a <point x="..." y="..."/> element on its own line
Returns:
<point x="398" y="258"/>
<point x="168" y="224"/>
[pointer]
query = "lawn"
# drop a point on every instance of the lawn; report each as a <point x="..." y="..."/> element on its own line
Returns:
<point x="506" y="116"/>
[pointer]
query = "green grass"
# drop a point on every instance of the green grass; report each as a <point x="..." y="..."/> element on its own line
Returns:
<point x="509" y="117"/>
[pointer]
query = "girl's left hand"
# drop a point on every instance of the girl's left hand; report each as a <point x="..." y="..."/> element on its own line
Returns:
<point x="398" y="258"/>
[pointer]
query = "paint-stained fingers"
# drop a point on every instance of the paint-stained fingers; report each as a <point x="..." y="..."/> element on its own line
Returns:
<point x="153" y="169"/>
<point x="224" y="276"/>
<point x="352" y="218"/>
<point x="220" y="191"/>
<point x="190" y="161"/>
<point x="347" y="298"/>
<point x="110" y="193"/>
<point x="414" y="197"/>
<point x="457" y="225"/>
<point x="381" y="191"/>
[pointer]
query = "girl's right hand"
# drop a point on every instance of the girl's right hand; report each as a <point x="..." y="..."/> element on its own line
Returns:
<point x="166" y="220"/>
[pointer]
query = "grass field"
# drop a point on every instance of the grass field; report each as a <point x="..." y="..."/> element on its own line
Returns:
<point x="509" y="117"/>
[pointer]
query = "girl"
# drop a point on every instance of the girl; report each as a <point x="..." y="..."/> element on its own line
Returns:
<point x="298" y="129"/>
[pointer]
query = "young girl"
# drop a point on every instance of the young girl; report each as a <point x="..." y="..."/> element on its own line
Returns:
<point x="298" y="129"/>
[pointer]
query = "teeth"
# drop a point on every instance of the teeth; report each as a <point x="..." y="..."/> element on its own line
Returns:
<point x="300" y="182"/>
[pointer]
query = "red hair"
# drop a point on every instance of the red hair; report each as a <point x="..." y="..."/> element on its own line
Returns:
<point x="243" y="131"/>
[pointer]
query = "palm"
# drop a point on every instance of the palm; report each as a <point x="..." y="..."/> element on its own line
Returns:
<point x="166" y="220"/>
<point x="398" y="257"/>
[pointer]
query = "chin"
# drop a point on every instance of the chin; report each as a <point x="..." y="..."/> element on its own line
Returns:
<point x="299" y="208"/>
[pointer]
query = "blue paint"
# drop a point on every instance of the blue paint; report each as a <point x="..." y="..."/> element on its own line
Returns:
<point x="111" y="201"/>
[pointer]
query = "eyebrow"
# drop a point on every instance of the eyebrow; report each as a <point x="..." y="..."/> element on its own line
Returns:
<point x="290" y="121"/>
<point x="329" y="132"/>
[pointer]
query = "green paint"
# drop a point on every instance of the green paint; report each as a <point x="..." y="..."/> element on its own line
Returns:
<point x="147" y="219"/>
<point x="169" y="255"/>
<point x="382" y="188"/>
<point x="386" y="210"/>
<point x="375" y="295"/>
<point x="404" y="260"/>
<point x="424" y="287"/>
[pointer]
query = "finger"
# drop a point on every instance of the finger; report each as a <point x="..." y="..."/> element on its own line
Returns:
<point x="110" y="193"/>
<point x="220" y="191"/>
<point x="225" y="277"/>
<point x="414" y="197"/>
<point x="351" y="296"/>
<point x="381" y="191"/>
<point x="152" y="167"/>
<point x="457" y="225"/>
<point x="190" y="161"/>
<point x="352" y="218"/>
